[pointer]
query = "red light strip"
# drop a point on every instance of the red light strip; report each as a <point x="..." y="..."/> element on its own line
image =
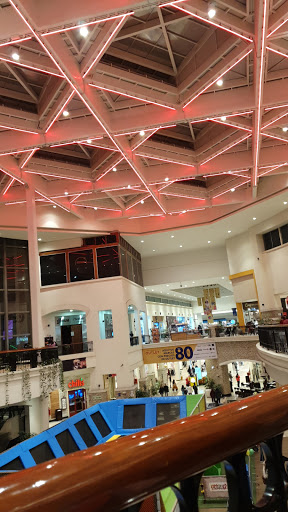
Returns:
<point x="277" y="51"/>
<point x="76" y="142"/>
<point x="233" y="125"/>
<point x="274" y="120"/>
<point x="259" y="110"/>
<point x="226" y="149"/>
<point x="60" y="111"/>
<point x="180" y="195"/>
<point x="277" y="28"/>
<point x="9" y="184"/>
<point x="58" y="176"/>
<point x="137" y="202"/>
<point x="80" y="95"/>
<point x="278" y="106"/>
<point x="229" y="189"/>
<point x="75" y="198"/>
<point x="18" y="129"/>
<point x="173" y="4"/>
<point x="110" y="38"/>
<point x="186" y="211"/>
<point x="53" y="202"/>
<point x="99" y="208"/>
<point x="273" y="169"/>
<point x="167" y="184"/>
<point x="110" y="169"/>
<point x="218" y="77"/>
<point x="11" y="176"/>
<point x="147" y="129"/>
<point x="149" y="215"/>
<point x="164" y="160"/>
<point x="15" y="41"/>
<point x="132" y="97"/>
<point x="144" y="140"/>
<point x="216" y="118"/>
<point x="274" y="137"/>
<point x="89" y="23"/>
<point x="28" y="157"/>
<point x="4" y="59"/>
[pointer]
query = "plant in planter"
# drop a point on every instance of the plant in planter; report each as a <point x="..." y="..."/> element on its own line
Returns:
<point x="26" y="385"/>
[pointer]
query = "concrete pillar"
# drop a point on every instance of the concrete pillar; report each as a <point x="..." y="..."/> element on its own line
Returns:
<point x="219" y="374"/>
<point x="177" y="371"/>
<point x="34" y="270"/>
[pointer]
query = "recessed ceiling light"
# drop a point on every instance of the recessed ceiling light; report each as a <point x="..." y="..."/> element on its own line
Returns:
<point x="84" y="31"/>
<point x="65" y="113"/>
<point x="193" y="282"/>
<point x="168" y="293"/>
<point x="211" y="12"/>
<point x="95" y="208"/>
<point x="185" y="285"/>
<point x="142" y="133"/>
<point x="114" y="169"/>
<point x="71" y="310"/>
<point x="39" y="239"/>
<point x="232" y="189"/>
<point x="219" y="82"/>
<point x="142" y="202"/>
<point x="166" y="179"/>
<point x="152" y="290"/>
<point x="172" y="236"/>
<point x="89" y="141"/>
<point x="154" y="250"/>
<point x="66" y="193"/>
<point x="284" y="202"/>
<point x="285" y="129"/>
<point x="223" y="277"/>
<point x="129" y="186"/>
<point x="223" y="118"/>
<point x="15" y="56"/>
<point x="180" y="245"/>
<point x="54" y="205"/>
<point x="142" y="241"/>
<point x="254" y="218"/>
<point x="209" y="241"/>
<point x="167" y="284"/>
<point x="229" y="231"/>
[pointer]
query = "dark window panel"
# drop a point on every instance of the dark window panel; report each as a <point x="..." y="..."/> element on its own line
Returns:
<point x="108" y="262"/>
<point x="18" y="300"/>
<point x="267" y="241"/>
<point x="16" y="257"/>
<point x="100" y="240"/>
<point x="81" y="265"/>
<point x="111" y="239"/>
<point x="13" y="465"/>
<point x="18" y="324"/>
<point x="284" y="233"/>
<point x="86" y="433"/>
<point x="100" y="424"/>
<point x="130" y="266"/>
<point x="124" y="269"/>
<point x="134" y="416"/>
<point x="275" y="236"/>
<point x="53" y="269"/>
<point x="42" y="453"/>
<point x="167" y="412"/>
<point x="67" y="442"/>
<point x="135" y="270"/>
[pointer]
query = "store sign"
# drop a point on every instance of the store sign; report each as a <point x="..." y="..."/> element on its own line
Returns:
<point x="179" y="353"/>
<point x="215" y="487"/>
<point x="76" y="383"/>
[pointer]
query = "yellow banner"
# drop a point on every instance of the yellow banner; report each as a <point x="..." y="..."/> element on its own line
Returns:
<point x="199" y="301"/>
<point x="179" y="353"/>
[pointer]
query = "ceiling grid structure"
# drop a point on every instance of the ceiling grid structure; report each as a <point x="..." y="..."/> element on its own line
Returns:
<point x="143" y="117"/>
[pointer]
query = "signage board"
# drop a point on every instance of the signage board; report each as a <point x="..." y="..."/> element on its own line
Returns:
<point x="74" y="364"/>
<point x="179" y="353"/>
<point x="75" y="383"/>
<point x="215" y="487"/>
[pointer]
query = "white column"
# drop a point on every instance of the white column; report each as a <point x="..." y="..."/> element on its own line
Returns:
<point x="34" y="270"/>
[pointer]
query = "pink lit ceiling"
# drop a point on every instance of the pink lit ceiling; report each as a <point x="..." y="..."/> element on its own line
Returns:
<point x="140" y="115"/>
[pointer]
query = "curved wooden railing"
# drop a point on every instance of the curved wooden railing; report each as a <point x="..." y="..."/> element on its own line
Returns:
<point x="117" y="475"/>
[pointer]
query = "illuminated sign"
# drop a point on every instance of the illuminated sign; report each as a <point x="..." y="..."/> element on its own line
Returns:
<point x="197" y="351"/>
<point x="76" y="383"/>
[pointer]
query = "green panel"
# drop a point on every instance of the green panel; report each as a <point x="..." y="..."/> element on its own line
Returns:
<point x="215" y="470"/>
<point x="169" y="499"/>
<point x="192" y="401"/>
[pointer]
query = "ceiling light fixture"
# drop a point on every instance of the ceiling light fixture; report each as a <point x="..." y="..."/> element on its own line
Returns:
<point x="66" y="193"/>
<point x="223" y="118"/>
<point x="166" y="179"/>
<point x="219" y="82"/>
<point x="89" y="141"/>
<point x="154" y="250"/>
<point x="65" y="113"/>
<point x="184" y="211"/>
<point x="142" y="133"/>
<point x="254" y="218"/>
<point x="54" y="206"/>
<point x="84" y="31"/>
<point x="15" y="56"/>
<point x="229" y="231"/>
<point x="39" y="239"/>
<point x="209" y="241"/>
<point x="142" y="241"/>
<point x="180" y="245"/>
<point x="114" y="169"/>
<point x="232" y="189"/>
<point x="284" y="202"/>
<point x="172" y="236"/>
<point x="95" y="207"/>
<point x="285" y="129"/>
<point x="211" y="12"/>
<point x="223" y="277"/>
<point x="142" y="202"/>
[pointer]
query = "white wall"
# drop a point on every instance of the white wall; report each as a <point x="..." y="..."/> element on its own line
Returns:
<point x="115" y="293"/>
<point x="190" y="265"/>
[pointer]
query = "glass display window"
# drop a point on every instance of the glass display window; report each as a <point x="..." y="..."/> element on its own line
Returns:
<point x="53" y="269"/>
<point x="108" y="262"/>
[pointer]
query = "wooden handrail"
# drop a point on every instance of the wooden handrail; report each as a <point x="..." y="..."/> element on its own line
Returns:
<point x="116" y="475"/>
<point x="14" y="351"/>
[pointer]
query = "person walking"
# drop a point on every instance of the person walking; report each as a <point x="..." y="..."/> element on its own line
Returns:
<point x="218" y="396"/>
<point x="238" y="379"/>
<point x="182" y="389"/>
<point x="161" y="390"/>
<point x="174" y="387"/>
<point x="231" y="381"/>
<point x="170" y="379"/>
<point x="166" y="390"/>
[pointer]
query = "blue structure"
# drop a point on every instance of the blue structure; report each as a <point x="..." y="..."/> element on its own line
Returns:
<point x="94" y="426"/>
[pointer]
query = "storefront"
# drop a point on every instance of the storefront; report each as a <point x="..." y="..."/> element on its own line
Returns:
<point x="74" y="398"/>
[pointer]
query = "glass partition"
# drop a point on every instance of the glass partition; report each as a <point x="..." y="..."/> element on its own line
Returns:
<point x="53" y="269"/>
<point x="81" y="265"/>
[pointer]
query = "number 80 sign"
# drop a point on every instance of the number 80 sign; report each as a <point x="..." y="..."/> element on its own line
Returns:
<point x="183" y="353"/>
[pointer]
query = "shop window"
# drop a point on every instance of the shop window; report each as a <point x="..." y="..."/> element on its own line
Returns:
<point x="81" y="265"/>
<point x="100" y="424"/>
<point x="42" y="453"/>
<point x="284" y="233"/>
<point x="167" y="412"/>
<point x="106" y="324"/>
<point x="134" y="416"/>
<point x="86" y="433"/>
<point x="67" y="443"/>
<point x="108" y="262"/>
<point x="53" y="269"/>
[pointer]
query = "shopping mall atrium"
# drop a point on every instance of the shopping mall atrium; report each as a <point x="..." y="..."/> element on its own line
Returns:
<point x="143" y="255"/>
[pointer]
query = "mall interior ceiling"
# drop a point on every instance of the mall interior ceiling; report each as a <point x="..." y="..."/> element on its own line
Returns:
<point x="143" y="117"/>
